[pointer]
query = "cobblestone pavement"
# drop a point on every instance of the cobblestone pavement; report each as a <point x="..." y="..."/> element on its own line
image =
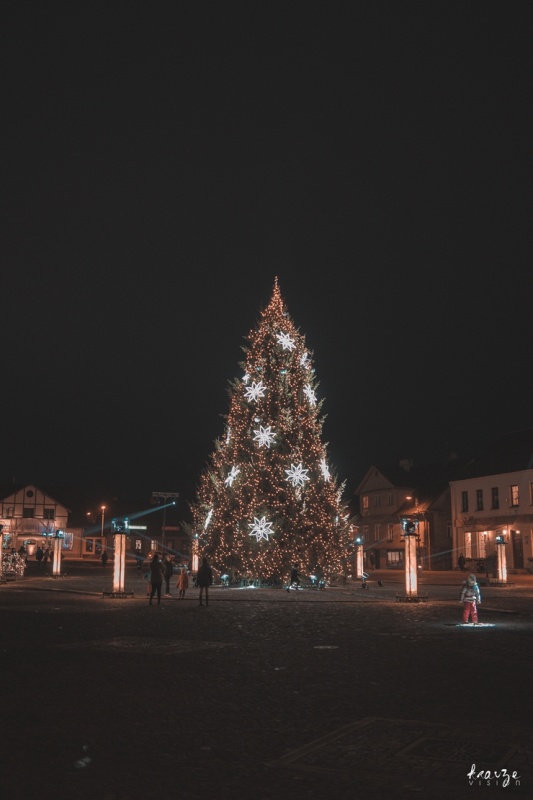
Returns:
<point x="275" y="694"/>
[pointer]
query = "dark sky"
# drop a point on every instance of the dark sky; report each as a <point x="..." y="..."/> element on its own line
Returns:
<point x="163" y="162"/>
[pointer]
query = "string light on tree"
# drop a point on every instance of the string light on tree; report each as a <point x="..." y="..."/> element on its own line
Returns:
<point x="275" y="404"/>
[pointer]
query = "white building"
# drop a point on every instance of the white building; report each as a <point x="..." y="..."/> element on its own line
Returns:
<point x="494" y="497"/>
<point x="30" y="517"/>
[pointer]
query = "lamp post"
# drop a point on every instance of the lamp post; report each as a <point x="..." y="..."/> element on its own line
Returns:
<point x="195" y="548"/>
<point x="410" y="526"/>
<point x="103" y="520"/>
<point x="164" y="496"/>
<point x="502" y="559"/>
<point x="120" y="528"/>
<point x="359" y="557"/>
<point x="58" y="545"/>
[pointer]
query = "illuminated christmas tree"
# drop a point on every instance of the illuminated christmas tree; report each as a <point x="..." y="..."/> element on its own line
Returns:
<point x="268" y="498"/>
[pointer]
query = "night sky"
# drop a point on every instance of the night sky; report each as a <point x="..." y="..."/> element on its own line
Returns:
<point x="163" y="162"/>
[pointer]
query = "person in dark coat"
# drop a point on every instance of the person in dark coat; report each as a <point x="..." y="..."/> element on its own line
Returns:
<point x="204" y="579"/>
<point x="104" y="558"/>
<point x="39" y="554"/>
<point x="461" y="561"/>
<point x="168" y="568"/>
<point x="156" y="578"/>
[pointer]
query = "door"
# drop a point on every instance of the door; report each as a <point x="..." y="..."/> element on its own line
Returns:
<point x="518" y="550"/>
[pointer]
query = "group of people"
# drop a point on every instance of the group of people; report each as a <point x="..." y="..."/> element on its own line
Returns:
<point x="163" y="571"/>
<point x="42" y="556"/>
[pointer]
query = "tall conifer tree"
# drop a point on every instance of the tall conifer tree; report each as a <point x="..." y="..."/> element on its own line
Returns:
<point x="268" y="498"/>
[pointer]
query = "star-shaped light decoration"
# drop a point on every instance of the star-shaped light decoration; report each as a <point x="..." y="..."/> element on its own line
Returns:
<point x="255" y="390"/>
<point x="304" y="361"/>
<point x="285" y="341"/>
<point x="309" y="393"/>
<point x="297" y="475"/>
<point x="261" y="529"/>
<point x="245" y="378"/>
<point x="264" y="436"/>
<point x="208" y="519"/>
<point x="234" y="471"/>
<point x="324" y="469"/>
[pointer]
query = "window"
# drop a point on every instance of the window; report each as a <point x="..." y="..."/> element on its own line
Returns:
<point x="377" y="500"/>
<point x="390" y="532"/>
<point x="395" y="559"/>
<point x="479" y="499"/>
<point x="366" y="503"/>
<point x="377" y="531"/>
<point x="468" y="544"/>
<point x="27" y="513"/>
<point x="514" y="495"/>
<point x="495" y="497"/>
<point x="154" y="545"/>
<point x="482" y="544"/>
<point x="464" y="501"/>
<point x="138" y="545"/>
<point x="389" y="498"/>
<point x="49" y="513"/>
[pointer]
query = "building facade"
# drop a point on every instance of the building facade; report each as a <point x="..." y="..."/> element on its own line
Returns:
<point x="389" y="494"/>
<point x="494" y="498"/>
<point x="30" y="517"/>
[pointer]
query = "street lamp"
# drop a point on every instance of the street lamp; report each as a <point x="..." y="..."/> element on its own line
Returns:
<point x="157" y="497"/>
<point x="502" y="559"/>
<point x="410" y="526"/>
<point x="57" y="550"/>
<point x="359" y="557"/>
<point x="103" y="519"/>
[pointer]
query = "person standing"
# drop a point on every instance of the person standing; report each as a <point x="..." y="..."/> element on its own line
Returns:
<point x="204" y="579"/>
<point x="39" y="554"/>
<point x="470" y="599"/>
<point x="461" y="562"/>
<point x="104" y="558"/>
<point x="156" y="578"/>
<point x="183" y="583"/>
<point x="295" y="577"/>
<point x="168" y="571"/>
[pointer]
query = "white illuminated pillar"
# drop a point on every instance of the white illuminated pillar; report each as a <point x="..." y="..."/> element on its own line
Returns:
<point x="1" y="550"/>
<point x="502" y="560"/>
<point x="120" y="562"/>
<point x="194" y="554"/>
<point x="57" y="548"/>
<point x="411" y="576"/>
<point x="359" y="561"/>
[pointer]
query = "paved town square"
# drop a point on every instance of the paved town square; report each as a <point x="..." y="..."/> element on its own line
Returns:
<point x="264" y="693"/>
